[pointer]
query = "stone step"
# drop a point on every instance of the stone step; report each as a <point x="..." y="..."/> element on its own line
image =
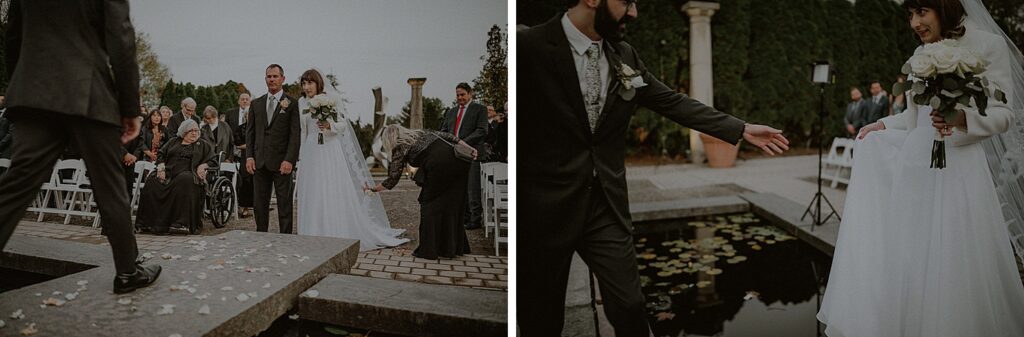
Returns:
<point x="405" y="308"/>
<point x="236" y="284"/>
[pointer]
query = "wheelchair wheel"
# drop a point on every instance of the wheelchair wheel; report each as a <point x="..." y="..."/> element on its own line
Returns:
<point x="222" y="202"/>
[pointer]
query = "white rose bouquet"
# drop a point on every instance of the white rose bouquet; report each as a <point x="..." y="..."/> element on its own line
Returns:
<point x="944" y="76"/>
<point x="324" y="109"/>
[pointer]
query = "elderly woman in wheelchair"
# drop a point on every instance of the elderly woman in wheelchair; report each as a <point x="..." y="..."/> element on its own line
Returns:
<point x="173" y="196"/>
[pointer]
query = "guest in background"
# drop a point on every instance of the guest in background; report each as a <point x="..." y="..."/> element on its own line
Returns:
<point x="899" y="99"/>
<point x="214" y="132"/>
<point x="468" y="122"/>
<point x="166" y="113"/>
<point x="238" y="119"/>
<point x="173" y="197"/>
<point x="6" y="132"/>
<point x="501" y="137"/>
<point x="188" y="111"/>
<point x="130" y="153"/>
<point x="443" y="179"/>
<point x="154" y="136"/>
<point x="879" y="106"/>
<point x="856" y="112"/>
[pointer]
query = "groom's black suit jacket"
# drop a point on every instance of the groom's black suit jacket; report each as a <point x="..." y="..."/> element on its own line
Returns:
<point x="558" y="154"/>
<point x="271" y="144"/>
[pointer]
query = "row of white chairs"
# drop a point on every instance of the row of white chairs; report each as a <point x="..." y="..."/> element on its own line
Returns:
<point x="838" y="165"/>
<point x="494" y="182"/>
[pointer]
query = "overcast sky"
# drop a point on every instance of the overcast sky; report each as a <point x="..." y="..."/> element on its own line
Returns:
<point x="365" y="43"/>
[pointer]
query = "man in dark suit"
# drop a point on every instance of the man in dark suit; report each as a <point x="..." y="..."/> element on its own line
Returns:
<point x="74" y="80"/>
<point x="237" y="119"/>
<point x="188" y="110"/>
<point x="856" y="112"/>
<point x="879" y="106"/>
<point x="131" y="152"/>
<point x="272" y="137"/>
<point x="217" y="133"/>
<point x="468" y="121"/>
<point x="571" y="170"/>
<point x="6" y="131"/>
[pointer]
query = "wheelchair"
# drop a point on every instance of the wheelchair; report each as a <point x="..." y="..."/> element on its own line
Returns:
<point x="219" y="195"/>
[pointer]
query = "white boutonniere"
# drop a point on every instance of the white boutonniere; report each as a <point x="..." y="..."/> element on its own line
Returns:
<point x="285" y="102"/>
<point x="630" y="79"/>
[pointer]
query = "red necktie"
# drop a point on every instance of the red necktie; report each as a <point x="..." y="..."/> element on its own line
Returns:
<point x="458" y="119"/>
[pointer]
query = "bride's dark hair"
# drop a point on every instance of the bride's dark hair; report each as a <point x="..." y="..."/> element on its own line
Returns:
<point x="313" y="76"/>
<point x="951" y="15"/>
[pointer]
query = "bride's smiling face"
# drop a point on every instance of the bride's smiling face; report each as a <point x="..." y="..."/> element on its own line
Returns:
<point x="925" y="23"/>
<point x="309" y="88"/>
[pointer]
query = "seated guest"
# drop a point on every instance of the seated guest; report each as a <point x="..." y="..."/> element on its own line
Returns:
<point x="153" y="135"/>
<point x="217" y="133"/>
<point x="130" y="153"/>
<point x="174" y="195"/>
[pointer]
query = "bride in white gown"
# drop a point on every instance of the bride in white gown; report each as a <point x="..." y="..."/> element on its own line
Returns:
<point x="924" y="251"/>
<point x="330" y="180"/>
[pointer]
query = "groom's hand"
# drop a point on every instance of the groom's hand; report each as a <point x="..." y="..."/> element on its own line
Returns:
<point x="131" y="126"/>
<point x="766" y="138"/>
<point x="286" y="168"/>
<point x="250" y="165"/>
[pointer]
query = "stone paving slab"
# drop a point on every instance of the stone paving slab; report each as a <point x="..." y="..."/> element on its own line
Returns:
<point x="245" y="280"/>
<point x="474" y="271"/>
<point x="674" y="209"/>
<point x="579" y="306"/>
<point x="405" y="308"/>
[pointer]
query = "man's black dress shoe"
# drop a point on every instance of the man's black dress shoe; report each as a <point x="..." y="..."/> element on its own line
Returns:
<point x="142" y="277"/>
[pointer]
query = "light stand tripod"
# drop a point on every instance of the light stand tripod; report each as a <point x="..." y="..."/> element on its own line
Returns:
<point x="814" y="208"/>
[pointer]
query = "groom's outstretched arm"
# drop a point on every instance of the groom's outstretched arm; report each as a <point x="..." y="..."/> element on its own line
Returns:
<point x="294" y="136"/>
<point x="685" y="110"/>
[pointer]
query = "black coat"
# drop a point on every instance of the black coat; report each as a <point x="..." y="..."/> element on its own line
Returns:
<point x="78" y="59"/>
<point x="272" y="144"/>
<point x="474" y="124"/>
<point x="559" y="155"/>
<point x="176" y="120"/>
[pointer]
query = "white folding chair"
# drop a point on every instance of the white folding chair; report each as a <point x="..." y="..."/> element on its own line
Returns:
<point x="499" y="186"/>
<point x="839" y="163"/>
<point x="141" y="168"/>
<point x="63" y="191"/>
<point x="487" y="193"/>
<point x="233" y="168"/>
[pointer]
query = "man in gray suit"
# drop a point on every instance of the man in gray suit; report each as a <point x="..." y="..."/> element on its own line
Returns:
<point x="879" y="106"/>
<point x="575" y="107"/>
<point x="468" y="121"/>
<point x="217" y="133"/>
<point x="856" y="112"/>
<point x="74" y="80"/>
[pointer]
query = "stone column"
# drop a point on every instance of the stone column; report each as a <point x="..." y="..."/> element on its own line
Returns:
<point x="416" y="106"/>
<point x="701" y="86"/>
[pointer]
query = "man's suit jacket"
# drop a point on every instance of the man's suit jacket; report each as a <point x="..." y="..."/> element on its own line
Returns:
<point x="231" y="118"/>
<point x="857" y="114"/>
<point x="77" y="59"/>
<point x="223" y="141"/>
<point x="558" y="153"/>
<point x="474" y="124"/>
<point x="272" y="144"/>
<point x="177" y="119"/>
<point x="878" y="110"/>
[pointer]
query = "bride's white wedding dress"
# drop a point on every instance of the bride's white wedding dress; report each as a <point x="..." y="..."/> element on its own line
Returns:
<point x="923" y="251"/>
<point x="330" y="188"/>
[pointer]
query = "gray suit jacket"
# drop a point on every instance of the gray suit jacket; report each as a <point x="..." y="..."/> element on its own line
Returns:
<point x="224" y="140"/>
<point x="73" y="57"/>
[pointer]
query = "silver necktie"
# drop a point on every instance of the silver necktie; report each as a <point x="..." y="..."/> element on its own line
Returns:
<point x="271" y="104"/>
<point x="592" y="74"/>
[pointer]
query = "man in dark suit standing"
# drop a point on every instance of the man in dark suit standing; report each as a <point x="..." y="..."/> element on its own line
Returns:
<point x="879" y="106"/>
<point x="188" y="110"/>
<point x="468" y="121"/>
<point x="217" y="133"/>
<point x="581" y="85"/>
<point x="237" y="119"/>
<point x="856" y="112"/>
<point x="74" y="80"/>
<point x="272" y="137"/>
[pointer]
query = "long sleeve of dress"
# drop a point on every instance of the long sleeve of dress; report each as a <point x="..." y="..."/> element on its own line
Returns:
<point x="399" y="160"/>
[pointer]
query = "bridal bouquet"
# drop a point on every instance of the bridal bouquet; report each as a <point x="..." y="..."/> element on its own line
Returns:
<point x="324" y="109"/>
<point x="944" y="76"/>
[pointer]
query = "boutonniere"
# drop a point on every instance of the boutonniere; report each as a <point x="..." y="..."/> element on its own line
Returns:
<point x="285" y="102"/>
<point x="630" y="79"/>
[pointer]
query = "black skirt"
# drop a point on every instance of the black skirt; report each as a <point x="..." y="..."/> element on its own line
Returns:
<point x="442" y="202"/>
<point x="179" y="202"/>
<point x="245" y="188"/>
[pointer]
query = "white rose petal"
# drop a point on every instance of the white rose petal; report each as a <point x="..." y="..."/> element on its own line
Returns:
<point x="242" y="297"/>
<point x="83" y="282"/>
<point x="267" y="285"/>
<point x="291" y="317"/>
<point x="2" y="324"/>
<point x="125" y="301"/>
<point x="71" y="296"/>
<point x="313" y="293"/>
<point x="204" y="310"/>
<point x="227" y="288"/>
<point x="17" y="314"/>
<point x="166" y="310"/>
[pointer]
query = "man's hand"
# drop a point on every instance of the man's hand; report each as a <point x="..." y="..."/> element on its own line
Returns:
<point x="286" y="168"/>
<point x="851" y="129"/>
<point x="250" y="165"/>
<point x="129" y="159"/>
<point x="768" y="139"/>
<point x="876" y="126"/>
<point x="940" y="124"/>
<point x="131" y="126"/>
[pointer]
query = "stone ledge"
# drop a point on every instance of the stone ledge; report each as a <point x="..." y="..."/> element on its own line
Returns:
<point x="662" y="210"/>
<point x="406" y="308"/>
